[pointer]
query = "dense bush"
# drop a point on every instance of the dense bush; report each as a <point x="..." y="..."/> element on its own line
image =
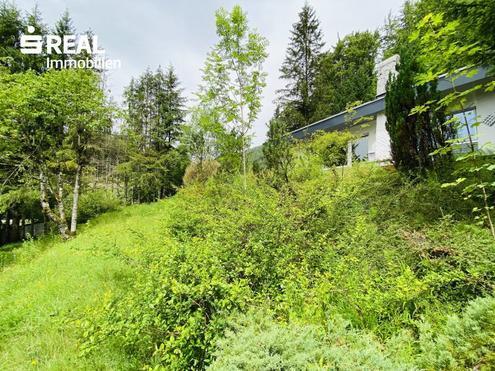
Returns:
<point x="256" y="342"/>
<point x="331" y="147"/>
<point x="463" y="342"/>
<point x="96" y="202"/>
<point x="200" y="172"/>
<point x="366" y="246"/>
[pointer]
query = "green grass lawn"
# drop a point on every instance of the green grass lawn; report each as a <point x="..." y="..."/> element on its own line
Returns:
<point x="47" y="284"/>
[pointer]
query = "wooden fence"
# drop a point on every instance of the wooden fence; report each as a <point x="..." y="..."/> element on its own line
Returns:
<point x="18" y="230"/>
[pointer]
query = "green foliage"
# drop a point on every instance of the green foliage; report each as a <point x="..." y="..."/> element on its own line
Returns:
<point x="322" y="84"/>
<point x="331" y="147"/>
<point x="465" y="341"/>
<point x="155" y="163"/>
<point x="299" y="69"/>
<point x="346" y="74"/>
<point x="414" y="134"/>
<point x="447" y="47"/>
<point x="52" y="119"/>
<point x="187" y="294"/>
<point x="151" y="175"/>
<point x="13" y="24"/>
<point x="365" y="247"/>
<point x="201" y="171"/>
<point x="277" y="150"/>
<point x="24" y="200"/>
<point x="201" y="134"/>
<point x="155" y="109"/>
<point x="257" y="342"/>
<point x="360" y="269"/>
<point x="345" y="271"/>
<point x="96" y="202"/>
<point x="233" y="81"/>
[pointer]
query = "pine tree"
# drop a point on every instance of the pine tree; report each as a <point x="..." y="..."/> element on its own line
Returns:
<point x="170" y="109"/>
<point x="11" y="28"/>
<point x="64" y="26"/>
<point x="300" y="67"/>
<point x="35" y="62"/>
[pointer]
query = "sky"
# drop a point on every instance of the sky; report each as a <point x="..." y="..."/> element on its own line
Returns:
<point x="149" y="33"/>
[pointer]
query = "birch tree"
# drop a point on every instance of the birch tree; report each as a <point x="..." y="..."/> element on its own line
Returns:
<point x="54" y="119"/>
<point x="233" y="80"/>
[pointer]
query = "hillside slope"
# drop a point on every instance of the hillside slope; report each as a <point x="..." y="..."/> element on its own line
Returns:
<point x="371" y="270"/>
<point x="42" y="296"/>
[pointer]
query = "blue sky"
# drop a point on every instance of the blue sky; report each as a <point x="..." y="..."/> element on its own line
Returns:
<point x="161" y="32"/>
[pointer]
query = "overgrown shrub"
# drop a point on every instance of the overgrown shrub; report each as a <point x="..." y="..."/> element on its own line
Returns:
<point x="366" y="246"/>
<point x="200" y="172"/>
<point x="173" y="311"/>
<point x="96" y="202"/>
<point x="331" y="147"/>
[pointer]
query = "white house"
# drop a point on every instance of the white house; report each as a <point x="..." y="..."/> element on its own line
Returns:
<point x="374" y="142"/>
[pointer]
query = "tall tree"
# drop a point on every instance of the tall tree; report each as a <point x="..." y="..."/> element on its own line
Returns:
<point x="11" y="28"/>
<point x="64" y="27"/>
<point x="34" y="61"/>
<point x="170" y="109"/>
<point x="346" y="74"/>
<point x="155" y="107"/>
<point x="300" y="67"/>
<point x="414" y="135"/>
<point x="233" y="81"/>
<point x="56" y="118"/>
<point x="155" y="114"/>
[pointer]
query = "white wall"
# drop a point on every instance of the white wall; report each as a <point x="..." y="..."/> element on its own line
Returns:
<point x="379" y="142"/>
<point x="382" y="152"/>
<point x="485" y="106"/>
<point x="368" y="129"/>
<point x="383" y="70"/>
<point x="378" y="138"/>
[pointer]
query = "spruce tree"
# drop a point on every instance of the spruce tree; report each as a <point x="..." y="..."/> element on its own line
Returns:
<point x="35" y="62"/>
<point x="155" y="113"/>
<point x="63" y="27"/>
<point x="170" y="109"/>
<point x="300" y="67"/>
<point x="11" y="28"/>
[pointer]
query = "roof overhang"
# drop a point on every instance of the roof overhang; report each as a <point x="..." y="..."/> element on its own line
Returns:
<point x="339" y="120"/>
<point x="371" y="108"/>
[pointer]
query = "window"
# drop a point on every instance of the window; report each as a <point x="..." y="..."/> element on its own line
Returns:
<point x="466" y="117"/>
<point x="464" y="120"/>
<point x="360" y="148"/>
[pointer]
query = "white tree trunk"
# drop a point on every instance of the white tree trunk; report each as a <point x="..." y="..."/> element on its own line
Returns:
<point x="45" y="206"/>
<point x="244" y="172"/>
<point x="75" y="202"/>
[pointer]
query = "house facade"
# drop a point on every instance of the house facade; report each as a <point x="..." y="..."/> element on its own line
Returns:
<point x="374" y="142"/>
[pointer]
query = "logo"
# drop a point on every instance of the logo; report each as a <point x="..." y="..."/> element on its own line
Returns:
<point x="67" y="45"/>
